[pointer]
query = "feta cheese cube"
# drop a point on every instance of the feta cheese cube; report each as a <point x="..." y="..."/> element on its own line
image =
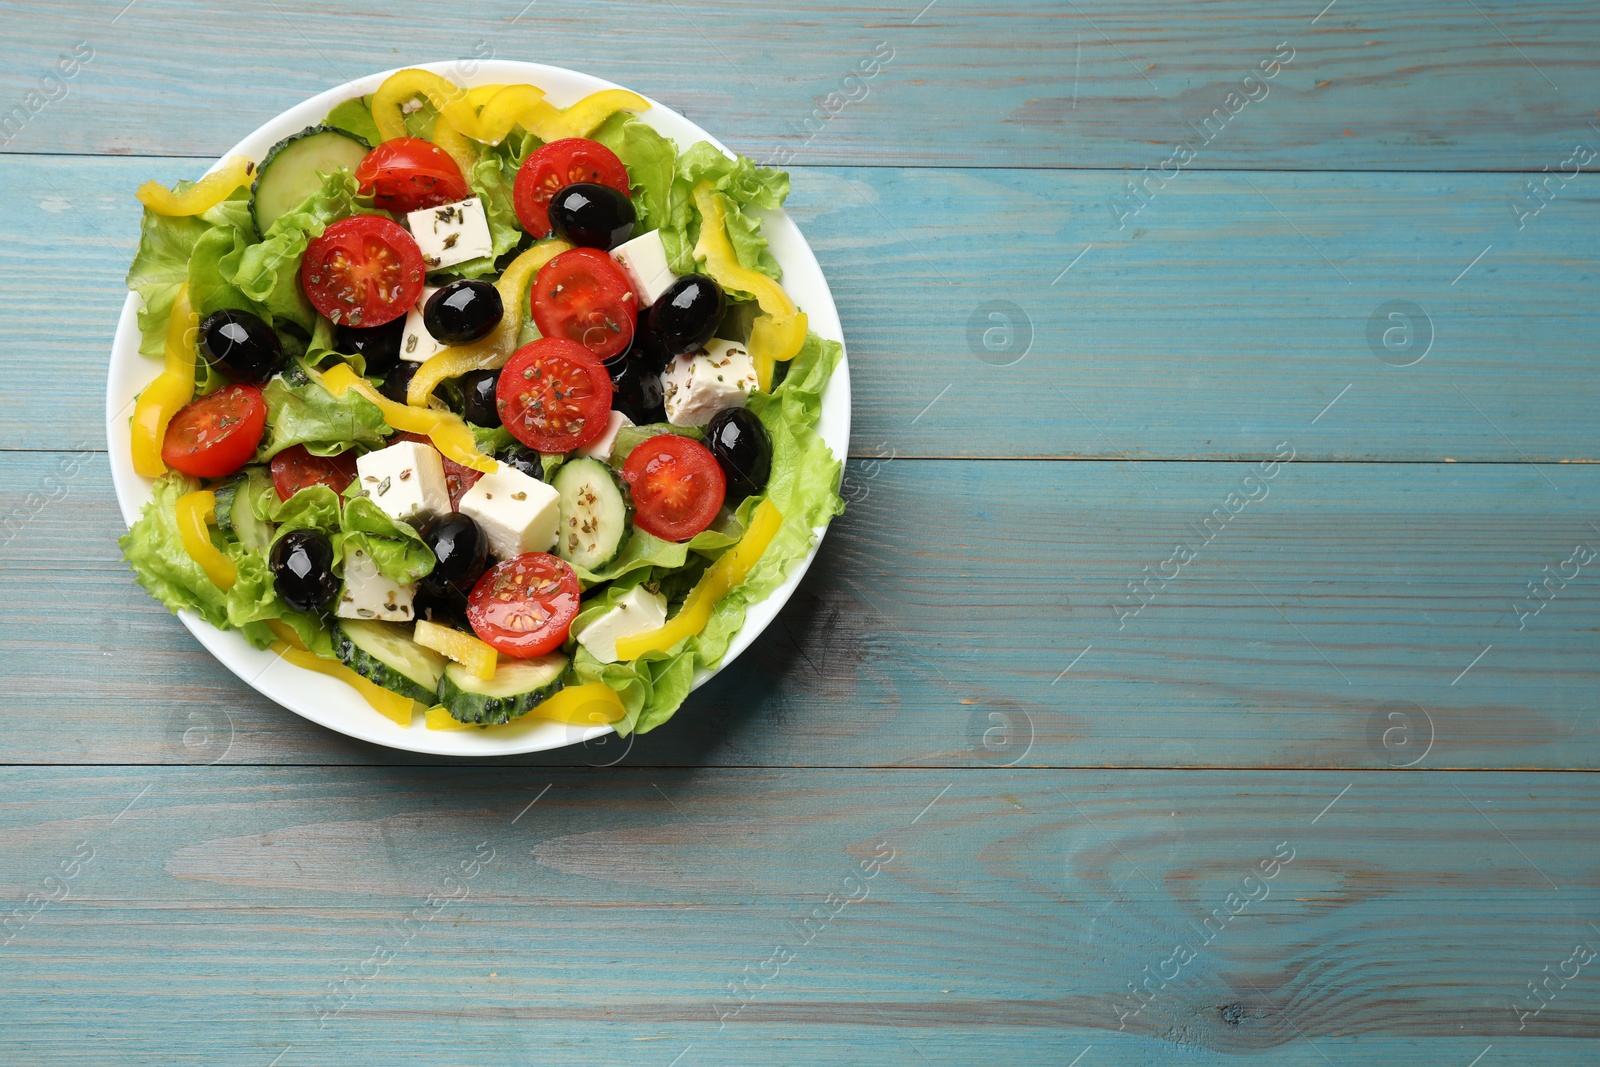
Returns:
<point x="369" y="595"/>
<point x="644" y="261"/>
<point x="451" y="233"/>
<point x="416" y="343"/>
<point x="516" y="512"/>
<point x="405" y="480"/>
<point x="637" y="611"/>
<point x="696" y="386"/>
<point x="600" y="448"/>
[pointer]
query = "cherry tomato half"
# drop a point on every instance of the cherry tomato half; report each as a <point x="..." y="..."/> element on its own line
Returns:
<point x="554" y="395"/>
<point x="524" y="606"/>
<point x="554" y="167"/>
<point x="677" y="486"/>
<point x="363" y="271"/>
<point x="457" y="479"/>
<point x="216" y="435"/>
<point x="409" y="174"/>
<point x="295" y="469"/>
<point x="583" y="295"/>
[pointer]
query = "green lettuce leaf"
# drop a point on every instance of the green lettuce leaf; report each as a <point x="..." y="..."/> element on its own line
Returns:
<point x="395" y="548"/>
<point x="316" y="507"/>
<point x="492" y="439"/>
<point x="492" y="178"/>
<point x="355" y="116"/>
<point x="420" y="121"/>
<point x="161" y="264"/>
<point x="652" y="162"/>
<point x="320" y="347"/>
<point x="214" y="264"/>
<point x="154" y="549"/>
<point x="740" y="179"/>
<point x="307" y="414"/>
<point x="743" y="185"/>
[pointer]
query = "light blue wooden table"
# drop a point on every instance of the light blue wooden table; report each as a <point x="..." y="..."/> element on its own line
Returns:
<point x="1205" y="671"/>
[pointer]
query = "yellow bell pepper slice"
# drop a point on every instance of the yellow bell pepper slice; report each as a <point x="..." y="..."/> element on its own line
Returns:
<point x="586" y="115"/>
<point x="489" y="353"/>
<point x="730" y="569"/>
<point x="285" y="633"/>
<point x="439" y="718"/>
<point x="194" y="512"/>
<point x="594" y="704"/>
<point x="775" y="340"/>
<point x="449" y="100"/>
<point x="525" y="106"/>
<point x="780" y="329"/>
<point x="512" y="106"/>
<point x="389" y="704"/>
<point x="479" y="95"/>
<point x="462" y="110"/>
<point x="173" y="388"/>
<point x="478" y="658"/>
<point x="449" y="434"/>
<point x="203" y="195"/>
<point x="456" y="146"/>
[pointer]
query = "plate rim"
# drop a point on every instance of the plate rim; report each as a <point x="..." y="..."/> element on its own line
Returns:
<point x="315" y="697"/>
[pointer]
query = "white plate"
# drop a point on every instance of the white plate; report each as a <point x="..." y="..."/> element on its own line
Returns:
<point x="328" y="701"/>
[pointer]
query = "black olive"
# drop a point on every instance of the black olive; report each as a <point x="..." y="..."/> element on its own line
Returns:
<point x="743" y="450"/>
<point x="378" y="345"/>
<point x="645" y="350"/>
<point x="448" y="607"/>
<point x="477" y="397"/>
<point x="302" y="570"/>
<point x="636" y="393"/>
<point x="241" y="346"/>
<point x="687" y="315"/>
<point x="463" y="311"/>
<point x="398" y="381"/>
<point x="591" y="215"/>
<point x="461" y="551"/>
<point x="529" y="463"/>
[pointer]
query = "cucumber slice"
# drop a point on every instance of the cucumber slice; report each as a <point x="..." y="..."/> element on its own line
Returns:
<point x="595" y="512"/>
<point x="236" y="516"/>
<point x="383" y="653"/>
<point x="518" y="686"/>
<point x="294" y="168"/>
<point x="226" y="494"/>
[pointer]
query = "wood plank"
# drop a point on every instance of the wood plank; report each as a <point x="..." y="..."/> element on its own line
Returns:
<point x="1429" y="85"/>
<point x="1395" y="921"/>
<point x="1343" y="618"/>
<point x="1210" y="327"/>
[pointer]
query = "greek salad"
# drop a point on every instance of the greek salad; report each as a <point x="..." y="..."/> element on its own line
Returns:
<point x="488" y="407"/>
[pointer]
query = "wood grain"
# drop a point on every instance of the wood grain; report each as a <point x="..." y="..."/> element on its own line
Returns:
<point x="1428" y="85"/>
<point x="1210" y="327"/>
<point x="935" y="628"/>
<point x="1007" y="916"/>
